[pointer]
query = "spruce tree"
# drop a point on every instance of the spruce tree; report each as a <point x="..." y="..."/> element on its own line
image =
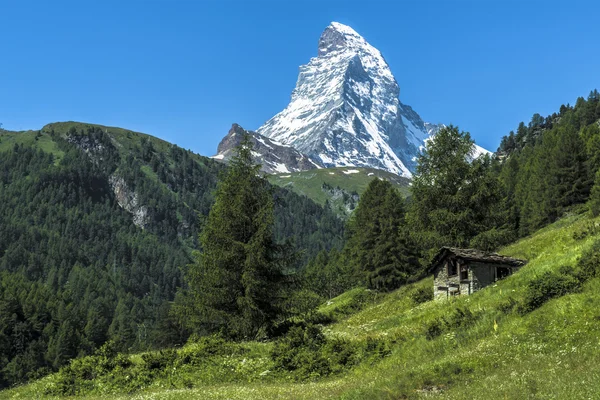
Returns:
<point x="379" y="247"/>
<point x="234" y="285"/>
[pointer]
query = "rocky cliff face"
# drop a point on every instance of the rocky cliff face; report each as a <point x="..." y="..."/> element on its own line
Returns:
<point x="346" y="110"/>
<point x="128" y="200"/>
<point x="274" y="157"/>
<point x="126" y="197"/>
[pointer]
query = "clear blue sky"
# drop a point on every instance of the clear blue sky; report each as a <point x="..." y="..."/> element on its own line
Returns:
<point x="185" y="70"/>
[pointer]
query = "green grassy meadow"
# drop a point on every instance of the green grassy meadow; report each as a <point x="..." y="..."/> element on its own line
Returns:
<point x="349" y="179"/>
<point x="476" y="347"/>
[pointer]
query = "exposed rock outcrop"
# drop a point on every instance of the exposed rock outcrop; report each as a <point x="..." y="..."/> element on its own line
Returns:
<point x="128" y="200"/>
<point x="274" y="157"/>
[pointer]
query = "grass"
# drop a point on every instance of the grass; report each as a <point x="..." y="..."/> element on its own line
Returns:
<point x="30" y="139"/>
<point x="124" y="138"/>
<point x="484" y="349"/>
<point x="349" y="179"/>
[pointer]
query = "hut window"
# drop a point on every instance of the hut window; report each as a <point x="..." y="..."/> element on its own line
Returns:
<point x="452" y="268"/>
<point x="464" y="272"/>
<point x="502" y="272"/>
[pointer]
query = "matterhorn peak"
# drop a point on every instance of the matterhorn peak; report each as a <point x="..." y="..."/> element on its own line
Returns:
<point x="337" y="37"/>
<point x="346" y="110"/>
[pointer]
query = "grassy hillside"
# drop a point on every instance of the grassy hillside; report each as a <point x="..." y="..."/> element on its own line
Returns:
<point x="488" y="345"/>
<point x="320" y="185"/>
<point x="30" y="139"/>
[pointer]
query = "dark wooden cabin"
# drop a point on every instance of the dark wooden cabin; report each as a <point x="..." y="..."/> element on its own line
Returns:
<point x="458" y="272"/>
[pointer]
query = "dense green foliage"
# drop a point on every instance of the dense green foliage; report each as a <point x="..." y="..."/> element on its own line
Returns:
<point x="76" y="271"/>
<point x="456" y="201"/>
<point x="380" y="249"/>
<point x="544" y="170"/>
<point x="308" y="354"/>
<point x="107" y="371"/>
<point x="551" y="165"/>
<point x="236" y="284"/>
<point x="379" y="252"/>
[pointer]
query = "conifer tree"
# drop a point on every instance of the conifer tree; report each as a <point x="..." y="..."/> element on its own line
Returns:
<point x="379" y="247"/>
<point x="234" y="286"/>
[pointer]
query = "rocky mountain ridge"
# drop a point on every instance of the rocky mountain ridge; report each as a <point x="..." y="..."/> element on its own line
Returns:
<point x="274" y="157"/>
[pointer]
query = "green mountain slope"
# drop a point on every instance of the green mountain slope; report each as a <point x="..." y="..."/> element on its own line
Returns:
<point x="338" y="188"/>
<point x="491" y="344"/>
<point x="95" y="225"/>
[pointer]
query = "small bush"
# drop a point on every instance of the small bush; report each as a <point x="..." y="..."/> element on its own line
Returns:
<point x="507" y="305"/>
<point x="319" y="318"/>
<point x="460" y="316"/>
<point x="433" y="329"/>
<point x="548" y="286"/>
<point x="159" y="360"/>
<point x="199" y="349"/>
<point x="457" y="318"/>
<point x="79" y="376"/>
<point x="308" y="354"/>
<point x="589" y="263"/>
<point x="301" y="351"/>
<point x="377" y="348"/>
<point x="422" y="295"/>
<point x="590" y="229"/>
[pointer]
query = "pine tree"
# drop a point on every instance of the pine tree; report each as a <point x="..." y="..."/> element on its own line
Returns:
<point x="572" y="178"/>
<point x="234" y="286"/>
<point x="379" y="247"/>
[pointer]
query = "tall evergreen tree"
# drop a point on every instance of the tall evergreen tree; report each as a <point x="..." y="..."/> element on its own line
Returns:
<point x="454" y="198"/>
<point x="234" y="286"/>
<point x="379" y="246"/>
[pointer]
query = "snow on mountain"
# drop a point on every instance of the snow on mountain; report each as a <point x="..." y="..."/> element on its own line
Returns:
<point x="275" y="158"/>
<point x="346" y="111"/>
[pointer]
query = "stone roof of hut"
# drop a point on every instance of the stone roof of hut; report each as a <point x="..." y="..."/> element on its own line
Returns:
<point x="475" y="255"/>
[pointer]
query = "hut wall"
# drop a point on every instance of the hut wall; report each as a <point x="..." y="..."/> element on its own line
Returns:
<point x="444" y="285"/>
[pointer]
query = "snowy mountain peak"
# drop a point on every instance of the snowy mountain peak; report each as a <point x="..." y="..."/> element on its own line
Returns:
<point x="338" y="36"/>
<point x="346" y="111"/>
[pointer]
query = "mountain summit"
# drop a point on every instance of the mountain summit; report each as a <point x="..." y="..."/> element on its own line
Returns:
<point x="346" y="111"/>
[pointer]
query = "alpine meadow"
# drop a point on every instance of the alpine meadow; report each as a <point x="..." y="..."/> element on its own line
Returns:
<point x="344" y="249"/>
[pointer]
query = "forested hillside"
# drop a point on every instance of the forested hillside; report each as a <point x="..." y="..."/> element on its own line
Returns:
<point x="95" y="226"/>
<point x="551" y="164"/>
